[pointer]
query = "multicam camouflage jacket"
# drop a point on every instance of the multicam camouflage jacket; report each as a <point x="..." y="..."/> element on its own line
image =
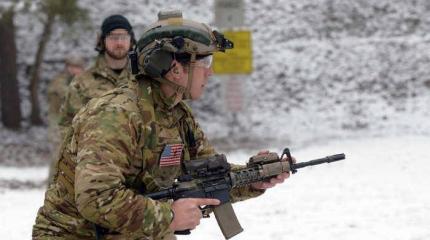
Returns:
<point x="115" y="150"/>
<point x="90" y="84"/>
<point x="56" y="93"/>
<point x="57" y="89"/>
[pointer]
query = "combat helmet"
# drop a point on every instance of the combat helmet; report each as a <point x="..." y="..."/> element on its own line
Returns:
<point x="75" y="60"/>
<point x="172" y="38"/>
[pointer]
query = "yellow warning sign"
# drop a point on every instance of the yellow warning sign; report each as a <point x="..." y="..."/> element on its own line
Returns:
<point x="237" y="60"/>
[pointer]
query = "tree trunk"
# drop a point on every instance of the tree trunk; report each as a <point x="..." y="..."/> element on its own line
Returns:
<point x="35" y="73"/>
<point x="9" y="92"/>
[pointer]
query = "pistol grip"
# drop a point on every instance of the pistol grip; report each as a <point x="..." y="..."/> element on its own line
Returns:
<point x="227" y="220"/>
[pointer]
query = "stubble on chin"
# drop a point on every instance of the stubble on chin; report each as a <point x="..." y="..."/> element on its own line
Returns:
<point x="117" y="54"/>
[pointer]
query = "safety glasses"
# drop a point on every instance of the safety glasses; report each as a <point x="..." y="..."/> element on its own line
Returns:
<point x="205" y="62"/>
<point x="118" y="37"/>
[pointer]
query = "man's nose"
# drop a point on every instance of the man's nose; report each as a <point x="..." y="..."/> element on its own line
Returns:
<point x="120" y="43"/>
<point x="210" y="71"/>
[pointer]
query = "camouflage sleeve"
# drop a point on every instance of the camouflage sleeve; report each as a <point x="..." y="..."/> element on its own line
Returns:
<point x="204" y="149"/>
<point x="107" y="143"/>
<point x="73" y="101"/>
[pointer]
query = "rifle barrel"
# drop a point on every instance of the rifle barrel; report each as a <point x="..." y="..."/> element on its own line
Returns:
<point x="328" y="159"/>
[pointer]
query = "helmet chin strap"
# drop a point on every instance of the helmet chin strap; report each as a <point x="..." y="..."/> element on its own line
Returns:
<point x="187" y="93"/>
<point x="178" y="89"/>
<point x="181" y="92"/>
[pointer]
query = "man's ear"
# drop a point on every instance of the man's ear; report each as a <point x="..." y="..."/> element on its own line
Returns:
<point x="173" y="73"/>
<point x="177" y="69"/>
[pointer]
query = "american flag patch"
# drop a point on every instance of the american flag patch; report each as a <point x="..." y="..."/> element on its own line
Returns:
<point x="171" y="155"/>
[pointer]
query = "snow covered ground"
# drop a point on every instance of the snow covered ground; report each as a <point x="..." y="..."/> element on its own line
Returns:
<point x="380" y="192"/>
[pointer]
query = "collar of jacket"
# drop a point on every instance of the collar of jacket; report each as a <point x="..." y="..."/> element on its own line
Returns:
<point x="102" y="69"/>
<point x="161" y="102"/>
<point x="68" y="77"/>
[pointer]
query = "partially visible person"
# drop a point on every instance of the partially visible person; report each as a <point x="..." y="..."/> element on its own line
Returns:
<point x="74" y="66"/>
<point x="109" y="71"/>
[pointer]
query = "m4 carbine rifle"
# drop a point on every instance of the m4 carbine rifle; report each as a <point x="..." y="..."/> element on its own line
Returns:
<point x="213" y="178"/>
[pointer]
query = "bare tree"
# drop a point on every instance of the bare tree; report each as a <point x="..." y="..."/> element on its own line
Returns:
<point x="9" y="92"/>
<point x="52" y="11"/>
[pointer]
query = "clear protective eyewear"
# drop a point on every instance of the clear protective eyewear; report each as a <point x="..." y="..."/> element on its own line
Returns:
<point x="118" y="37"/>
<point x="205" y="62"/>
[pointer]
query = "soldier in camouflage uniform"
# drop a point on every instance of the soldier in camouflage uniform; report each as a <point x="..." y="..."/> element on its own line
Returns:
<point x="74" y="65"/>
<point x="121" y="145"/>
<point x="109" y="71"/>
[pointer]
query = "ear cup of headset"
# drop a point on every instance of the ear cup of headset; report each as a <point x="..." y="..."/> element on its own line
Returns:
<point x="157" y="63"/>
<point x="132" y="40"/>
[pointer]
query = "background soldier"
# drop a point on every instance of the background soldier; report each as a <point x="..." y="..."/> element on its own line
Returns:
<point x="109" y="71"/>
<point x="133" y="139"/>
<point x="74" y="65"/>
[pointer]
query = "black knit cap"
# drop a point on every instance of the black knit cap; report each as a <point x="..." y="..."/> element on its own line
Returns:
<point x="114" y="22"/>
